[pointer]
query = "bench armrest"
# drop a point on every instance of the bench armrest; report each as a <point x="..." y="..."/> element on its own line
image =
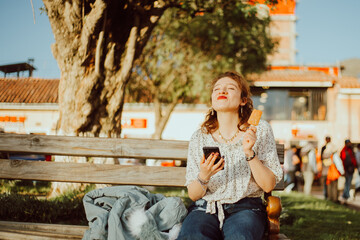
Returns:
<point x="273" y="210"/>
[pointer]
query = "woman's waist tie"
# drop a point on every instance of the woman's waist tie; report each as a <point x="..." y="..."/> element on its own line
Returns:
<point x="211" y="208"/>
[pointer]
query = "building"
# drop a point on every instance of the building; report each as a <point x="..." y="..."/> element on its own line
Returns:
<point x="346" y="119"/>
<point x="29" y="105"/>
<point x="282" y="30"/>
<point x="18" y="68"/>
<point x="309" y="104"/>
<point x="302" y="103"/>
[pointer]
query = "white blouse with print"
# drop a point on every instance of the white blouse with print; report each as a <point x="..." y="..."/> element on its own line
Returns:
<point x="235" y="181"/>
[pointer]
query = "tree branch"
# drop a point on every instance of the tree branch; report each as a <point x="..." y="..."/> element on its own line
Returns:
<point x="72" y="16"/>
<point x="54" y="10"/>
<point x="127" y="63"/>
<point x="158" y="109"/>
<point x="90" y="23"/>
<point x="153" y="16"/>
<point x="99" y="48"/>
<point x="164" y="118"/>
<point x="150" y="82"/>
<point x="109" y="59"/>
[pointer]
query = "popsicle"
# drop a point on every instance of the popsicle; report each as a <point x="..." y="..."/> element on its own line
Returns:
<point x="254" y="118"/>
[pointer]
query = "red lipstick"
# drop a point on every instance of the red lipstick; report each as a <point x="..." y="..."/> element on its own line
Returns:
<point x="221" y="97"/>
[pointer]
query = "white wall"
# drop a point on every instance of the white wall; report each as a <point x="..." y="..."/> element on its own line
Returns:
<point x="38" y="118"/>
<point x="347" y="123"/>
<point x="187" y="118"/>
<point x="182" y="123"/>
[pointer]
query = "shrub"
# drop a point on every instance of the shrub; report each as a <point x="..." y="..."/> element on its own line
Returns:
<point x="66" y="209"/>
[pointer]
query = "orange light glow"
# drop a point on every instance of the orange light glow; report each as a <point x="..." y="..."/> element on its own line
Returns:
<point x="12" y="119"/>
<point x="282" y="7"/>
<point x="334" y="71"/>
<point x="134" y="123"/>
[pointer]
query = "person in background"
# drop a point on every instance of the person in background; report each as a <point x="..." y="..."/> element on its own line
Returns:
<point x="326" y="151"/>
<point x="228" y="194"/>
<point x="298" y="174"/>
<point x="357" y="156"/>
<point x="348" y="158"/>
<point x="335" y="170"/>
<point x="290" y="162"/>
<point x="309" y="167"/>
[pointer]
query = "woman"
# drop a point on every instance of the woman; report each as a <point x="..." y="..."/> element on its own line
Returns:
<point x="227" y="194"/>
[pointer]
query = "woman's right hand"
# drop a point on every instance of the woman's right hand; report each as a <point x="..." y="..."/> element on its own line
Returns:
<point x="208" y="168"/>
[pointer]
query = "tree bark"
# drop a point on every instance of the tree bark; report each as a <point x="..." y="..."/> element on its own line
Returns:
<point x="95" y="47"/>
<point x="96" y="43"/>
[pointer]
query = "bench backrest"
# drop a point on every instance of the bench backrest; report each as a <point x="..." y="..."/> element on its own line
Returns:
<point x="97" y="147"/>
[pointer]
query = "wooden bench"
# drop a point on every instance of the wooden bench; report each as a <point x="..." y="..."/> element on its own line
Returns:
<point x="98" y="173"/>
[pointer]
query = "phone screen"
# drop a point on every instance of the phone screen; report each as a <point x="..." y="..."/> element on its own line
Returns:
<point x="209" y="150"/>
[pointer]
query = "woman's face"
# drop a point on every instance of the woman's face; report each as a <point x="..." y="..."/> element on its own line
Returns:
<point x="226" y="95"/>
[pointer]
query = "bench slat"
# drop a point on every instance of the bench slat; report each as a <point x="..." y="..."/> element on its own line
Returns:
<point x="95" y="173"/>
<point x="11" y="234"/>
<point x="92" y="173"/>
<point x="100" y="147"/>
<point x="57" y="230"/>
<point x="280" y="152"/>
<point x="94" y="147"/>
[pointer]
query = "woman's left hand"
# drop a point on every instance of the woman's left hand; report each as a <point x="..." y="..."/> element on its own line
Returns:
<point x="249" y="139"/>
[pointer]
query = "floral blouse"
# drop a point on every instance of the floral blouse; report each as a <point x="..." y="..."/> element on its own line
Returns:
<point x="235" y="181"/>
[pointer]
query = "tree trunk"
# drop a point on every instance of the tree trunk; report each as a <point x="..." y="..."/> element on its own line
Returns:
<point x="162" y="116"/>
<point x="95" y="46"/>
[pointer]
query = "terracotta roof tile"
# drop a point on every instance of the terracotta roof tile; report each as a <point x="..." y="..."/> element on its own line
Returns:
<point x="292" y="76"/>
<point x="349" y="82"/>
<point x="36" y="90"/>
<point x="28" y="90"/>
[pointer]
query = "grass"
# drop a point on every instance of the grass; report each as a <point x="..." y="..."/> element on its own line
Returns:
<point x="306" y="217"/>
<point x="26" y="201"/>
<point x="303" y="217"/>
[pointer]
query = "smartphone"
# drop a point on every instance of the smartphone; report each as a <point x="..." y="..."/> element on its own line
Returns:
<point x="209" y="150"/>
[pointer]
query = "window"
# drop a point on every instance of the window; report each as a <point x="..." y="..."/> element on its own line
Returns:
<point x="291" y="104"/>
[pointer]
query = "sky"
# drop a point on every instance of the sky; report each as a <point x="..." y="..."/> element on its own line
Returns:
<point x="328" y="32"/>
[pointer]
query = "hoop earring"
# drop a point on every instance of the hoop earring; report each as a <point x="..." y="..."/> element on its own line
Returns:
<point x="241" y="110"/>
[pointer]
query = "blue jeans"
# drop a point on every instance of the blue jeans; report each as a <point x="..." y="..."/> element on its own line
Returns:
<point x="348" y="179"/>
<point x="245" y="219"/>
